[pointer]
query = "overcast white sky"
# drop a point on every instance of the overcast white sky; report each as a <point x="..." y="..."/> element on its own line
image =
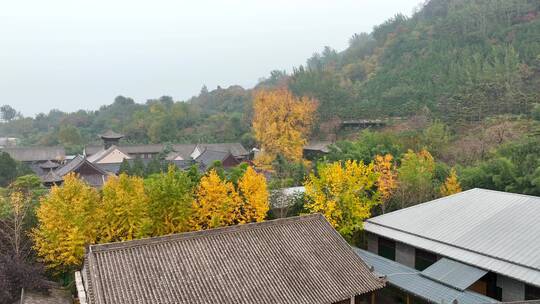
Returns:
<point x="72" y="54"/>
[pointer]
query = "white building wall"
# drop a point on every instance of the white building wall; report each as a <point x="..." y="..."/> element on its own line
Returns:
<point x="116" y="156"/>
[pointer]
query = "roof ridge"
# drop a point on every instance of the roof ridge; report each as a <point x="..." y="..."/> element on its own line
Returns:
<point x="422" y="204"/>
<point x="452" y="195"/>
<point x="507" y="193"/>
<point x="201" y="233"/>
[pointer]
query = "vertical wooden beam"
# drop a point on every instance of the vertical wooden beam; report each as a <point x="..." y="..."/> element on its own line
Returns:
<point x="408" y="299"/>
<point x="373" y="297"/>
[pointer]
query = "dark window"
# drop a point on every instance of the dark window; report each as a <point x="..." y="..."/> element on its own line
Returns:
<point x="423" y="259"/>
<point x="363" y="299"/>
<point x="387" y="248"/>
<point x="532" y="292"/>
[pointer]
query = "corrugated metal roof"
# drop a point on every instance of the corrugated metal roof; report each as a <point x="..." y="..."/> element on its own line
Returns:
<point x="493" y="230"/>
<point x="411" y="281"/>
<point x="453" y="273"/>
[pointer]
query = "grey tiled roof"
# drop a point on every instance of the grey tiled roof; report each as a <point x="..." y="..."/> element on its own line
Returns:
<point x="411" y="281"/>
<point x="491" y="230"/>
<point x="299" y="260"/>
<point x="208" y="157"/>
<point x="75" y="163"/>
<point x="184" y="150"/>
<point x="322" y="146"/>
<point x="236" y="149"/>
<point x="29" y="154"/>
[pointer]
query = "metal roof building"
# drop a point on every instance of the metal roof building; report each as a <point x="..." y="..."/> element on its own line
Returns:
<point x="412" y="281"/>
<point x="490" y="231"/>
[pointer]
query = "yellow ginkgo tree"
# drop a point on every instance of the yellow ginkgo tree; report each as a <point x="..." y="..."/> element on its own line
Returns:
<point x="281" y="123"/>
<point x="123" y="214"/>
<point x="254" y="195"/>
<point x="343" y="193"/>
<point x="217" y="203"/>
<point x="67" y="222"/>
<point x="387" y="180"/>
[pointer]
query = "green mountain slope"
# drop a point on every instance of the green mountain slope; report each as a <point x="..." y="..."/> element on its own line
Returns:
<point x="462" y="59"/>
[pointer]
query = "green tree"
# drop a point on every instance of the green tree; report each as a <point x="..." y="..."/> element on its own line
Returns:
<point x="8" y="169"/>
<point x="7" y="113"/>
<point x="125" y="167"/>
<point x="171" y="196"/>
<point x="416" y="178"/>
<point x="153" y="167"/>
<point x="137" y="169"/>
<point x="435" y="138"/>
<point x="368" y="145"/>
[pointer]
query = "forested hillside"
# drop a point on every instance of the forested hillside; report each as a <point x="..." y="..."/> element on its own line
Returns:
<point x="463" y="60"/>
<point x="460" y="61"/>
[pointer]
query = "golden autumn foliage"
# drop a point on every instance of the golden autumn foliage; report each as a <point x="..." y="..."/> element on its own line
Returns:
<point x="282" y="122"/>
<point x="67" y="222"/>
<point x="216" y="204"/>
<point x="123" y="212"/>
<point x="387" y="180"/>
<point x="344" y="194"/>
<point x="254" y="194"/>
<point x="451" y="185"/>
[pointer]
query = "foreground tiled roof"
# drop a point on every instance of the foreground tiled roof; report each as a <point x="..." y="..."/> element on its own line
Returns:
<point x="492" y="230"/>
<point x="296" y="260"/>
